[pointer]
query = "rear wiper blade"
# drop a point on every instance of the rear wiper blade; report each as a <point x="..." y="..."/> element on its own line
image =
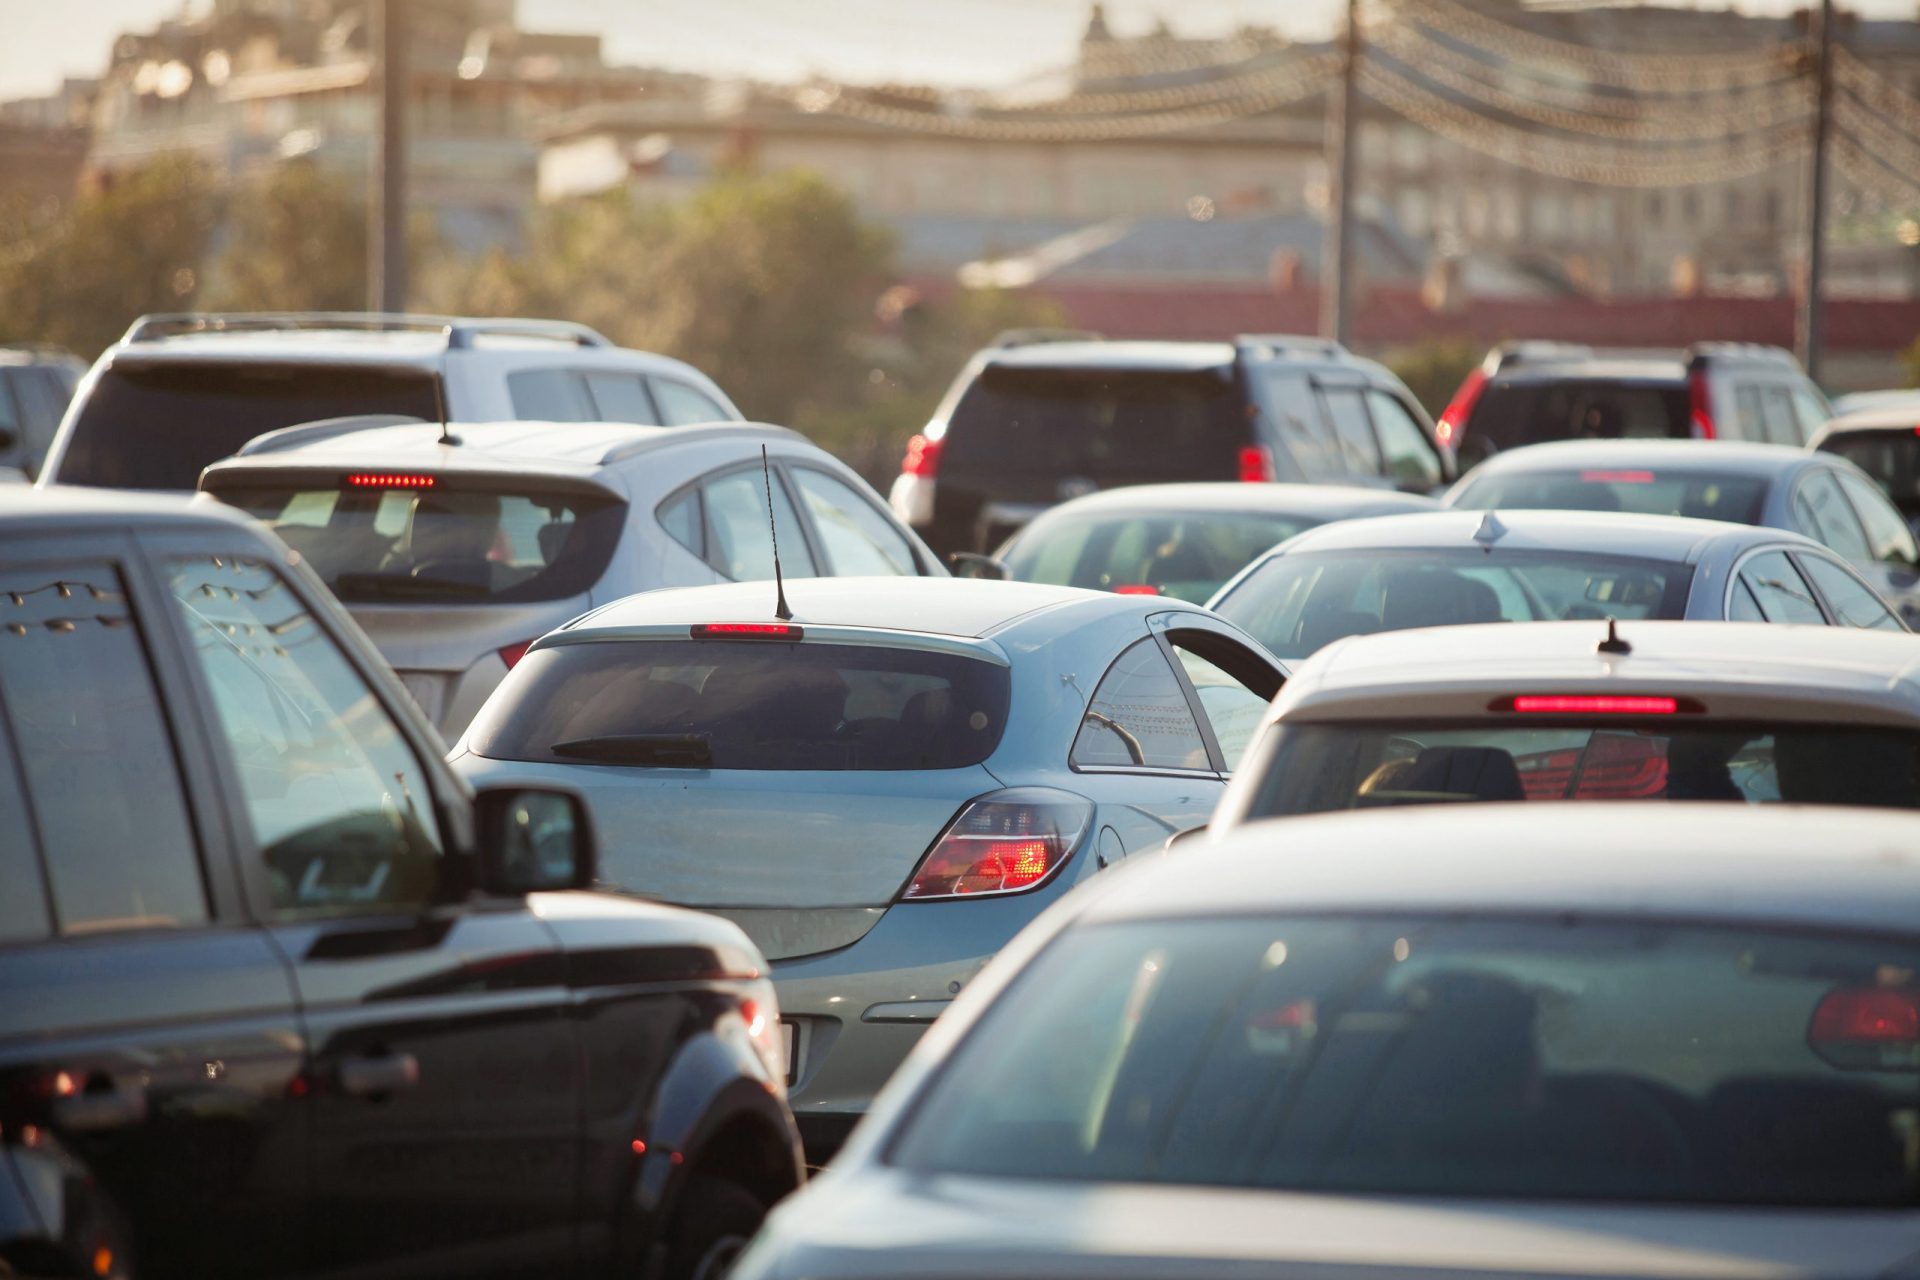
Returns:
<point x="669" y="750"/>
<point x="403" y="585"/>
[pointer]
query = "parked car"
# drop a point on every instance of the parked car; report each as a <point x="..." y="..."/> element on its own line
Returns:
<point x="882" y="790"/>
<point x="181" y="391"/>
<point x="1817" y="494"/>
<point x="35" y="385"/>
<point x="1459" y="567"/>
<point x="1590" y="711"/>
<point x="454" y="557"/>
<point x="1529" y="392"/>
<point x="1905" y="398"/>
<point x="1033" y="423"/>
<point x="280" y="995"/>
<point x="1472" y="1045"/>
<point x="1180" y="540"/>
<point x="1884" y="443"/>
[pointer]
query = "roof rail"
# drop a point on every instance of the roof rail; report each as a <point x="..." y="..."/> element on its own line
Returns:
<point x="459" y="331"/>
<point x="1761" y="352"/>
<point x="1534" y="351"/>
<point x="1034" y="337"/>
<point x="463" y="332"/>
<point x="324" y="429"/>
<point x="1291" y="342"/>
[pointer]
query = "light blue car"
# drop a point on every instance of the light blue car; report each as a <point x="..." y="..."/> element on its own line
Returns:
<point x="883" y="790"/>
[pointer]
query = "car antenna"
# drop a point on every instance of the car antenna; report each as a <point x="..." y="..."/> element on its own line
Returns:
<point x="780" y="609"/>
<point x="1613" y="643"/>
<point x="1489" y="532"/>
<point x="440" y="404"/>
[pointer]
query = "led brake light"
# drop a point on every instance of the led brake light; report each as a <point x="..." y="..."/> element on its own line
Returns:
<point x="1589" y="704"/>
<point x="1699" y="406"/>
<point x="1453" y="420"/>
<point x="1136" y="589"/>
<point x="1006" y="842"/>
<point x="1256" y="464"/>
<point x="923" y="457"/>
<point x="1616" y="477"/>
<point x="747" y="631"/>
<point x="1867" y="1028"/>
<point x="389" y="480"/>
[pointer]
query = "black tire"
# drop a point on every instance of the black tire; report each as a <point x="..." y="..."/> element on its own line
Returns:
<point x="716" y="1218"/>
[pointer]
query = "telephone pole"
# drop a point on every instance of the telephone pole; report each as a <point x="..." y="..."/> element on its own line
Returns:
<point x="1336" y="265"/>
<point x="387" y="207"/>
<point x="1812" y="324"/>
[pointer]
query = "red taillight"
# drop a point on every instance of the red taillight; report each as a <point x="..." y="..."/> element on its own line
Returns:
<point x="1616" y="477"/>
<point x="1612" y="767"/>
<point x="1866" y="1016"/>
<point x="1701" y="408"/>
<point x="389" y="480"/>
<point x="1603" y="704"/>
<point x="1006" y="842"/>
<point x="1453" y="421"/>
<point x="923" y="457"/>
<point x="747" y="631"/>
<point x="1256" y="464"/>
<point x="1136" y="589"/>
<point x="512" y="654"/>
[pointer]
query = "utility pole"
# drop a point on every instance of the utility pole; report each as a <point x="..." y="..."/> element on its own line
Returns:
<point x="1336" y="256"/>
<point x="387" y="205"/>
<point x="1812" y="324"/>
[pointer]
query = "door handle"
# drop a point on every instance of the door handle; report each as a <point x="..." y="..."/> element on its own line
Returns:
<point x="378" y="1074"/>
<point x="94" y="1110"/>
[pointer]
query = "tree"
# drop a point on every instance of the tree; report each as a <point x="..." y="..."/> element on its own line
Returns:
<point x="1434" y="369"/>
<point x="296" y="241"/>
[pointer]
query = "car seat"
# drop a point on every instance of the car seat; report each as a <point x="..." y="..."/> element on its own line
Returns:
<point x="1437" y="598"/>
<point x="1474" y="773"/>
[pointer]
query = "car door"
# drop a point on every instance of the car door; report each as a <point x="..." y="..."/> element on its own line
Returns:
<point x="442" y="1071"/>
<point x="149" y="1044"/>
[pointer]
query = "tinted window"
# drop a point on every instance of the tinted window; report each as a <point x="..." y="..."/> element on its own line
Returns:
<point x="23" y="891"/>
<point x="1187" y="555"/>
<point x="1565" y="1059"/>
<point x="1140" y="717"/>
<point x="1782" y="594"/>
<point x="621" y="397"/>
<point x="682" y="519"/>
<point x="1512" y="413"/>
<point x="856" y="538"/>
<point x="739" y="541"/>
<point x="1639" y="490"/>
<point x="550" y="395"/>
<point x="1290" y="403"/>
<point x="1359" y="451"/>
<point x="1888" y="537"/>
<point x="441" y="545"/>
<point x="1748" y="423"/>
<point x="1295" y="604"/>
<point x="1776" y="411"/>
<point x="1853" y="604"/>
<point x="99" y="761"/>
<point x="680" y="404"/>
<point x="1315" y="768"/>
<point x="1892" y="458"/>
<point x="1812" y="411"/>
<point x="1742" y="606"/>
<point x="731" y="704"/>
<point x="1824" y="515"/>
<point x="1109" y="426"/>
<point x="341" y="810"/>
<point x="11" y="417"/>
<point x="158" y="426"/>
<point x="1410" y="457"/>
<point x="1233" y="711"/>
<point x="43" y="397"/>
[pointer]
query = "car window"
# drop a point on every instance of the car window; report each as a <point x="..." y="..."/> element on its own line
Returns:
<point x="684" y="522"/>
<point x="1703" y="495"/>
<point x="621" y="397"/>
<point x="1892" y="458"/>
<point x="1852" y="602"/>
<point x="1747" y="423"/>
<point x="1812" y="411"/>
<point x="1514" y="412"/>
<point x="1233" y="711"/>
<point x="855" y="537"/>
<point x="10" y="415"/>
<point x="1290" y="404"/>
<point x="23" y="890"/>
<point x="1741" y="605"/>
<point x="1888" y="537"/>
<point x="1782" y="594"/>
<point x="550" y="395"/>
<point x="1825" y="516"/>
<point x="1185" y="554"/>
<point x="681" y="404"/>
<point x="43" y="398"/>
<point x="1776" y="410"/>
<point x="99" y="760"/>
<point x="341" y="809"/>
<point x="1410" y="456"/>
<point x="1139" y="717"/>
<point x="737" y="536"/>
<point x="1359" y="450"/>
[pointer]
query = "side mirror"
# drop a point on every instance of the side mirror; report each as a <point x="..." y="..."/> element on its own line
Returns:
<point x="533" y="839"/>
<point x="971" y="564"/>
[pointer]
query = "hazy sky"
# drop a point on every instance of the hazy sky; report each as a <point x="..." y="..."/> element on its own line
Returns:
<point x="949" y="41"/>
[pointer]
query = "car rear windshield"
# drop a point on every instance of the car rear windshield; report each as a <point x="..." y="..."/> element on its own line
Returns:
<point x="1107" y="426"/>
<point x="439" y="545"/>
<point x="1511" y="413"/>
<point x="157" y="426"/>
<point x="1892" y="458"/>
<point x="1295" y="604"/>
<point x="1568" y="1059"/>
<point x="1315" y="768"/>
<point x="1189" y="555"/>
<point x="747" y="704"/>
<point x="1646" y="491"/>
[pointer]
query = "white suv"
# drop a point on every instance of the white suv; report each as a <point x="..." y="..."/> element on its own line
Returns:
<point x="181" y="391"/>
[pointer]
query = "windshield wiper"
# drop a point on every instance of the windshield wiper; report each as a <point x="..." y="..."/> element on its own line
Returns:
<point x="667" y="750"/>
<point x="403" y="586"/>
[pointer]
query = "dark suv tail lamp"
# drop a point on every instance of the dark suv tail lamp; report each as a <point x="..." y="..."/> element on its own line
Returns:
<point x="1453" y="421"/>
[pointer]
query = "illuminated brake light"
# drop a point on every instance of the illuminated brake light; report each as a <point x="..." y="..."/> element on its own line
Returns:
<point x="389" y="480"/>
<point x="1616" y="477"/>
<point x="761" y="1014"/>
<point x="923" y="457"/>
<point x="1136" y="589"/>
<point x="1256" y="464"/>
<point x="1700" y="410"/>
<point x="1453" y="420"/>
<point x="747" y="631"/>
<point x="512" y="654"/>
<point x="1875" y="1015"/>
<point x="1007" y="842"/>
<point x="1604" y="704"/>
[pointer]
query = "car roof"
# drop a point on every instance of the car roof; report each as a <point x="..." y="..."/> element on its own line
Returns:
<point x="1113" y="355"/>
<point x="1676" y="539"/>
<point x="1757" y="669"/>
<point x="25" y="509"/>
<point x="1854" y="869"/>
<point x="1902" y="417"/>
<point x="1727" y="457"/>
<point x="1325" y="500"/>
<point x="1622" y="369"/>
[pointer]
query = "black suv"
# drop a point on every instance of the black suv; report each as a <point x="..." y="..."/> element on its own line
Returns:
<point x="1531" y="392"/>
<point x="280" y="995"/>
<point x="35" y="385"/>
<point x="1032" y="422"/>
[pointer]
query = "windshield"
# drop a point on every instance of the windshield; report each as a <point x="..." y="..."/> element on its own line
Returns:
<point x="1645" y="491"/>
<point x="1295" y="604"/>
<point x="1567" y="1059"/>
<point x="1892" y="458"/>
<point x="1186" y="555"/>
<point x="1314" y="768"/>
<point x="158" y="426"/>
<point x="747" y="704"/>
<point x="1514" y="413"/>
<point x="470" y="545"/>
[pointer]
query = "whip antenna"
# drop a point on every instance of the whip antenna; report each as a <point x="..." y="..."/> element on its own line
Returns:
<point x="780" y="609"/>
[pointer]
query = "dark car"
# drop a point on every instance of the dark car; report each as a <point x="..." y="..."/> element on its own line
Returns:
<point x="35" y="385"/>
<point x="1884" y="443"/>
<point x="1031" y="423"/>
<point x="281" y="995"/>
<point x="1532" y="392"/>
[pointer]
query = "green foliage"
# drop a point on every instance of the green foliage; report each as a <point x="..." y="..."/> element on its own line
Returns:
<point x="297" y="241"/>
<point x="1433" y="370"/>
<point x="1910" y="363"/>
